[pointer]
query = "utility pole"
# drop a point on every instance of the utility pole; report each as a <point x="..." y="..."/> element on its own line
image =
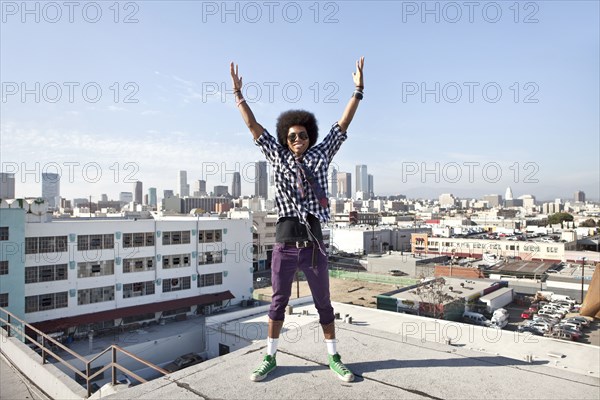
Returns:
<point x="582" y="276"/>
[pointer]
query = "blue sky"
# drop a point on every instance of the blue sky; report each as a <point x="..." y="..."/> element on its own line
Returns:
<point x="490" y="95"/>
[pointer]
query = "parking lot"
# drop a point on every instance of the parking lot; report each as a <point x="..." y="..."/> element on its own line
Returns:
<point x="591" y="335"/>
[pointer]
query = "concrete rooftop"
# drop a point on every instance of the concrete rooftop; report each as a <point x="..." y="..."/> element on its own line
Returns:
<point x="394" y="356"/>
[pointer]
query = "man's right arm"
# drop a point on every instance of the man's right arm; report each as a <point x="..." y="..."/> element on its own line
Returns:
<point x="255" y="128"/>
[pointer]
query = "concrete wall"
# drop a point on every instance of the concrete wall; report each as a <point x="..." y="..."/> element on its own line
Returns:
<point x="47" y="377"/>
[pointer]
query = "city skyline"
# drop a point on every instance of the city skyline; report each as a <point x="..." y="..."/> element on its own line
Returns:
<point x="494" y="198"/>
<point x="481" y="97"/>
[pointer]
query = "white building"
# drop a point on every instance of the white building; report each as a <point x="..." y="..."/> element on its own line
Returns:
<point x="447" y="200"/>
<point x="372" y="239"/>
<point x="76" y="275"/>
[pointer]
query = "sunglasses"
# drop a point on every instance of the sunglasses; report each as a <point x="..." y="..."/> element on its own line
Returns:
<point x="293" y="136"/>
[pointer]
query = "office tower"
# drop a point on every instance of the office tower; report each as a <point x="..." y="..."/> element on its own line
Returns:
<point x="79" y="202"/>
<point x="362" y="180"/>
<point x="125" y="197"/>
<point x="7" y="185"/>
<point x="509" y="194"/>
<point x="103" y="197"/>
<point x="168" y="193"/>
<point x="220" y="190"/>
<point x="152" y="200"/>
<point x="199" y="188"/>
<point x="50" y="188"/>
<point x="137" y="190"/>
<point x="344" y="185"/>
<point x="579" y="196"/>
<point x="370" y="185"/>
<point x="236" y="185"/>
<point x="332" y="183"/>
<point x="184" y="188"/>
<point x="261" y="179"/>
<point x="493" y="200"/>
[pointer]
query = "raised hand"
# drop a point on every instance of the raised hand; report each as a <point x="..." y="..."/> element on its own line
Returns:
<point x="358" y="75"/>
<point x="236" y="80"/>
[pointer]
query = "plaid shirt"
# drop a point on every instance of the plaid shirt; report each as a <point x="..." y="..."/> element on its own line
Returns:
<point x="288" y="200"/>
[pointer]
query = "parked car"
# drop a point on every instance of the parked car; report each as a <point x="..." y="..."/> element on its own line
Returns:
<point x="528" y="314"/>
<point x="545" y="318"/>
<point x="584" y="321"/>
<point x="542" y="327"/>
<point x="530" y="329"/>
<point x="562" y="334"/>
<point x="396" y="272"/>
<point x="550" y="313"/>
<point x="184" y="361"/>
<point x="571" y="324"/>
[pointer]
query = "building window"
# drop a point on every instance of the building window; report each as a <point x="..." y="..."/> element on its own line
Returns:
<point x="95" y="268"/>
<point x="44" y="302"/>
<point x="138" y="264"/>
<point x="95" y="242"/>
<point x="176" y="261"/>
<point x="46" y="244"/>
<point x="210" y="236"/>
<point x="3" y="267"/>
<point x="210" y="279"/>
<point x="95" y="295"/>
<point x="138" y="239"/>
<point x="210" y="257"/>
<point x="138" y="289"/>
<point x="3" y="299"/>
<point x="46" y="273"/>
<point x="3" y="232"/>
<point x="176" y="237"/>
<point x="175" y="284"/>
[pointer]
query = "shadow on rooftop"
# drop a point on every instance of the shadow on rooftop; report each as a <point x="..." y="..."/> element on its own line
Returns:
<point x="493" y="361"/>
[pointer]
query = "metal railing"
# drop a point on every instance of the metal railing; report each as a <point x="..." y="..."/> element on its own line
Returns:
<point x="49" y="345"/>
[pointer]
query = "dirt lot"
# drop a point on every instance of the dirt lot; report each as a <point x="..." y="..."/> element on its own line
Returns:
<point x="348" y="291"/>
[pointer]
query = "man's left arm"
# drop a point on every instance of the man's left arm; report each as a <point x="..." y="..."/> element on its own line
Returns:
<point x="357" y="95"/>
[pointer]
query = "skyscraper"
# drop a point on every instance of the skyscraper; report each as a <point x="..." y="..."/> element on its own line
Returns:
<point x="184" y="188"/>
<point x="152" y="199"/>
<point x="236" y="185"/>
<point x="199" y="188"/>
<point x="344" y="180"/>
<point x="509" y="194"/>
<point x="332" y="182"/>
<point x="137" y="190"/>
<point x="7" y="185"/>
<point x="579" y="196"/>
<point x="125" y="197"/>
<point x="370" y="185"/>
<point x="220" y="190"/>
<point x="50" y="188"/>
<point x="362" y="180"/>
<point x="261" y="179"/>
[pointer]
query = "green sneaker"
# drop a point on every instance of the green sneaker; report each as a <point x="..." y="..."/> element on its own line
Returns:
<point x="342" y="372"/>
<point x="268" y="364"/>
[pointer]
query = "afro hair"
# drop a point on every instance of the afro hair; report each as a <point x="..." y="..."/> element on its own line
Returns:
<point x="297" y="117"/>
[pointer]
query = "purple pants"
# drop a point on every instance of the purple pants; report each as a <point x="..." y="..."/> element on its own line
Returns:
<point x="285" y="261"/>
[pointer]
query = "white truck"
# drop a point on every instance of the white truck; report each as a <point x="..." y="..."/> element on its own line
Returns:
<point x="499" y="318"/>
